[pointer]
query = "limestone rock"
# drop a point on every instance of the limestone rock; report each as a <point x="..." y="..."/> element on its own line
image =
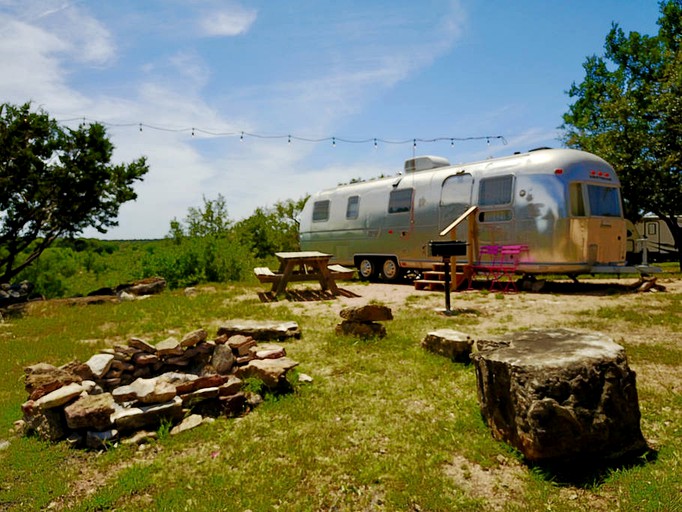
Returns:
<point x="133" y="418"/>
<point x="169" y="347"/>
<point x="560" y="395"/>
<point x="222" y="359"/>
<point x="449" y="343"/>
<point x="47" y="424"/>
<point x="152" y="391"/>
<point x="90" y="412"/>
<point x="60" y="396"/>
<point x="147" y="286"/>
<point x="271" y="371"/>
<point x="231" y="387"/>
<point x="99" y="364"/>
<point x="261" y="330"/>
<point x="190" y="422"/>
<point x="240" y="344"/>
<point x="368" y="313"/>
<point x="192" y="338"/>
<point x="142" y="345"/>
<point x="41" y="379"/>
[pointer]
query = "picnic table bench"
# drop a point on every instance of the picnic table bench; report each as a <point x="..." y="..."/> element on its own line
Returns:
<point x="303" y="266"/>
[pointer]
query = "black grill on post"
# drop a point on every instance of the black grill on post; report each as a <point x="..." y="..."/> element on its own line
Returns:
<point x="446" y="249"/>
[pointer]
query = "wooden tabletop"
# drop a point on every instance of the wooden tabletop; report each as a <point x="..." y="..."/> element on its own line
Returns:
<point x="302" y="255"/>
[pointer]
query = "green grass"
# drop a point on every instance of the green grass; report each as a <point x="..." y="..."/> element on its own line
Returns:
<point x="376" y="430"/>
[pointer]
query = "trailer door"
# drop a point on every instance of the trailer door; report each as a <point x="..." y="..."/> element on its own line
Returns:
<point x="455" y="198"/>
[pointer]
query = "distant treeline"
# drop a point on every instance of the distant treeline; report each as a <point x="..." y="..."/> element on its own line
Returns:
<point x="205" y="247"/>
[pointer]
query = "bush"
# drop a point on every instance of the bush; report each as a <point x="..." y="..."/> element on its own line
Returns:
<point x="196" y="260"/>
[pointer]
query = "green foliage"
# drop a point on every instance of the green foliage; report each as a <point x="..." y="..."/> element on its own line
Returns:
<point x="55" y="182"/>
<point x="269" y="230"/>
<point x="628" y="110"/>
<point x="199" y="260"/>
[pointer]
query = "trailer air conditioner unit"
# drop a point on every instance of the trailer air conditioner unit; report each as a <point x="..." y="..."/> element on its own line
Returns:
<point x="425" y="163"/>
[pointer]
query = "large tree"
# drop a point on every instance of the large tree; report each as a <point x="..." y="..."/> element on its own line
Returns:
<point x="55" y="182"/>
<point x="628" y="109"/>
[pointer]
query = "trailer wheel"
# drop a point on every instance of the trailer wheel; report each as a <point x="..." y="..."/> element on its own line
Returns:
<point x="390" y="270"/>
<point x="367" y="269"/>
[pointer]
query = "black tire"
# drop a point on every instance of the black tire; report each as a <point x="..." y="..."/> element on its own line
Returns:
<point x="367" y="269"/>
<point x="390" y="270"/>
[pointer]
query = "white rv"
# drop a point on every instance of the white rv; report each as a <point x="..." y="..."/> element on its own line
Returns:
<point x="564" y="204"/>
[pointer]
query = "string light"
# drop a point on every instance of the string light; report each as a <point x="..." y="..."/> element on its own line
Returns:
<point x="289" y="137"/>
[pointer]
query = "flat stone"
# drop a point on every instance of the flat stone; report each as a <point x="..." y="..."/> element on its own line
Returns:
<point x="154" y="390"/>
<point x="169" y="347"/>
<point x="261" y="330"/>
<point x="558" y="395"/>
<point x="449" y="343"/>
<point x="59" y="397"/>
<point x="145" y="359"/>
<point x="42" y="379"/>
<point x="205" y="381"/>
<point x="99" y="364"/>
<point x="192" y="338"/>
<point x="241" y="345"/>
<point x="231" y="387"/>
<point x="271" y="371"/>
<point x="133" y="418"/>
<point x="90" y="412"/>
<point x="142" y="345"/>
<point x="190" y="422"/>
<point x="269" y="351"/>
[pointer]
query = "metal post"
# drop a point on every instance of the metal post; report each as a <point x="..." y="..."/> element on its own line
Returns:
<point x="446" y="262"/>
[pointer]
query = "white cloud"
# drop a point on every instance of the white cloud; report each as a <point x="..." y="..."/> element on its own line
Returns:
<point x="227" y="22"/>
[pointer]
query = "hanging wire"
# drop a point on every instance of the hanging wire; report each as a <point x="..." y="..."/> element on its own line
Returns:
<point x="375" y="141"/>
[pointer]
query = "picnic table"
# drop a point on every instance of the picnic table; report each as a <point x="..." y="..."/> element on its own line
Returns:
<point x="303" y="266"/>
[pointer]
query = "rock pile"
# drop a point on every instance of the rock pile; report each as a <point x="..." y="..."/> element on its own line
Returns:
<point x="362" y="321"/>
<point x="137" y="386"/>
<point x="13" y="297"/>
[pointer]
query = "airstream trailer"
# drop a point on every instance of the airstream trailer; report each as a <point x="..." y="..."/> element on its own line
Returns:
<point x="650" y="239"/>
<point x="564" y="204"/>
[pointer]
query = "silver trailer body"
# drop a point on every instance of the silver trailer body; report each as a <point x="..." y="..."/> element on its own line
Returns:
<point x="564" y="204"/>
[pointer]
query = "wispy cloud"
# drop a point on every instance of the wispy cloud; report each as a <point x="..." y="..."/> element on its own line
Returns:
<point x="231" y="21"/>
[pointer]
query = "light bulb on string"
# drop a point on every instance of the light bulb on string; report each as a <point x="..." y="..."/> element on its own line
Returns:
<point x="241" y="137"/>
<point x="333" y="142"/>
<point x="375" y="144"/>
<point x="192" y="131"/>
<point x="288" y="139"/>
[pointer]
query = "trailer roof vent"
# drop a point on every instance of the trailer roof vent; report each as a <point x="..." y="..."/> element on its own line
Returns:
<point x="425" y="163"/>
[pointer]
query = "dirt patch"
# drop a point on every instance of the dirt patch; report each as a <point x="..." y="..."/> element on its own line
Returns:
<point x="498" y="486"/>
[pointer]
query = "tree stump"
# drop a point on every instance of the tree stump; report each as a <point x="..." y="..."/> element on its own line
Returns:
<point x="560" y="395"/>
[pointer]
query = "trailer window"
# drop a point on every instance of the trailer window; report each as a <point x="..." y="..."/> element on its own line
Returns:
<point x="604" y="201"/>
<point x="576" y="199"/>
<point x="456" y="190"/>
<point x="321" y="211"/>
<point x="400" y="201"/>
<point x="353" y="207"/>
<point x="495" y="191"/>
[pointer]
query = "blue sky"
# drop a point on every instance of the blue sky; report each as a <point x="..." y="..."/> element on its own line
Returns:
<point x="351" y="69"/>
